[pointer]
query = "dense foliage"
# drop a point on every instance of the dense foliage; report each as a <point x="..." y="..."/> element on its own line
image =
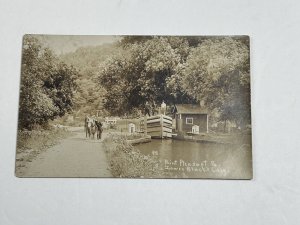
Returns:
<point x="210" y="70"/>
<point x="217" y="73"/>
<point x="88" y="98"/>
<point x="47" y="85"/>
<point x="139" y="75"/>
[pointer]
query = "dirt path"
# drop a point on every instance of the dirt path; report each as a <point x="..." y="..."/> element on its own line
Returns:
<point x="75" y="156"/>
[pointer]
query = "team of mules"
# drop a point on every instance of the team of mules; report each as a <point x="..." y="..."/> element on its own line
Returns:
<point x="92" y="127"/>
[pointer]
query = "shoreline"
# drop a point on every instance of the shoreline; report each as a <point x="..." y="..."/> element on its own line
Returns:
<point x="223" y="139"/>
<point x="141" y="140"/>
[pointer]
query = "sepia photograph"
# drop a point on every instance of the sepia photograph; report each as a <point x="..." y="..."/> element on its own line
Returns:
<point x="134" y="107"/>
<point x="149" y="112"/>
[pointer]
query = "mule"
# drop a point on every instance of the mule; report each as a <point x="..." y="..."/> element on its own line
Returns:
<point x="90" y="127"/>
<point x="93" y="129"/>
<point x="99" y="129"/>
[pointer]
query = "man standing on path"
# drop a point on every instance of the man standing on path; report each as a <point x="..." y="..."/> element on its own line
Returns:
<point x="85" y="125"/>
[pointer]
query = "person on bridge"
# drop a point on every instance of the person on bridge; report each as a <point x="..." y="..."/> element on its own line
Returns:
<point x="147" y="109"/>
<point x="163" y="107"/>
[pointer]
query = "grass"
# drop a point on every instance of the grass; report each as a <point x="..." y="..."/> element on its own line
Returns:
<point x="128" y="162"/>
<point x="133" y="136"/>
<point x="32" y="143"/>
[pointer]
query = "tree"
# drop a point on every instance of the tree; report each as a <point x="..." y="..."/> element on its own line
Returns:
<point x="60" y="85"/>
<point x="217" y="72"/>
<point x="214" y="70"/>
<point x="47" y="86"/>
<point x="139" y="75"/>
<point x="88" y="98"/>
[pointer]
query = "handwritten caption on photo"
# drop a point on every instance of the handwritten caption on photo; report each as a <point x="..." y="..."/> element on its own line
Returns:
<point x="204" y="166"/>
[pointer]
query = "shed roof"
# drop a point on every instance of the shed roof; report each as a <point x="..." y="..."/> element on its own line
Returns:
<point x="190" y="109"/>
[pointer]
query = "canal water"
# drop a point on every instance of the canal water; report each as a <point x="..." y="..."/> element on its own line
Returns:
<point x="185" y="159"/>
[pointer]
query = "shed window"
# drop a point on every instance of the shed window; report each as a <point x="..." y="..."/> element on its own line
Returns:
<point x="189" y="120"/>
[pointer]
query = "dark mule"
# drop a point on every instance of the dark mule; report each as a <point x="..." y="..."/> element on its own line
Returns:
<point x="99" y="129"/>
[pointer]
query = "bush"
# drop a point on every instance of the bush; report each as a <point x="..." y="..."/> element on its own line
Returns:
<point x="39" y="139"/>
<point x="126" y="161"/>
<point x="133" y="136"/>
<point x="113" y="126"/>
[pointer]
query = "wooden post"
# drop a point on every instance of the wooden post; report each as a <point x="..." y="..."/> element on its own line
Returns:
<point x="161" y="126"/>
<point x="206" y="123"/>
<point x="180" y="123"/>
<point x="145" y="124"/>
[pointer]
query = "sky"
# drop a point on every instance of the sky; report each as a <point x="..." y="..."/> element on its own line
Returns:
<point x="61" y="44"/>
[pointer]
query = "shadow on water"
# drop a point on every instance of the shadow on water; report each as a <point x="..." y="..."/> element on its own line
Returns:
<point x="201" y="160"/>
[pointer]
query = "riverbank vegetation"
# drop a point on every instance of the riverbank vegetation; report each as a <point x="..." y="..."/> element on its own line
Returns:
<point x="30" y="143"/>
<point x="128" y="162"/>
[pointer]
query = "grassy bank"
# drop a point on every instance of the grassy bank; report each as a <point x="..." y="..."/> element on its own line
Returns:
<point x="127" y="161"/>
<point x="32" y="143"/>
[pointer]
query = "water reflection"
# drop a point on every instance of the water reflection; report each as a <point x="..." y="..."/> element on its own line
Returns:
<point x="201" y="160"/>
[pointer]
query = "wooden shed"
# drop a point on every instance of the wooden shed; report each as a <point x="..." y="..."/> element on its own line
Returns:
<point x="188" y="115"/>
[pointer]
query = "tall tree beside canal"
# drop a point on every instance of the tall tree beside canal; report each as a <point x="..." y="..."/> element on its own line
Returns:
<point x="140" y="73"/>
<point x="47" y="85"/>
<point x="218" y="73"/>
